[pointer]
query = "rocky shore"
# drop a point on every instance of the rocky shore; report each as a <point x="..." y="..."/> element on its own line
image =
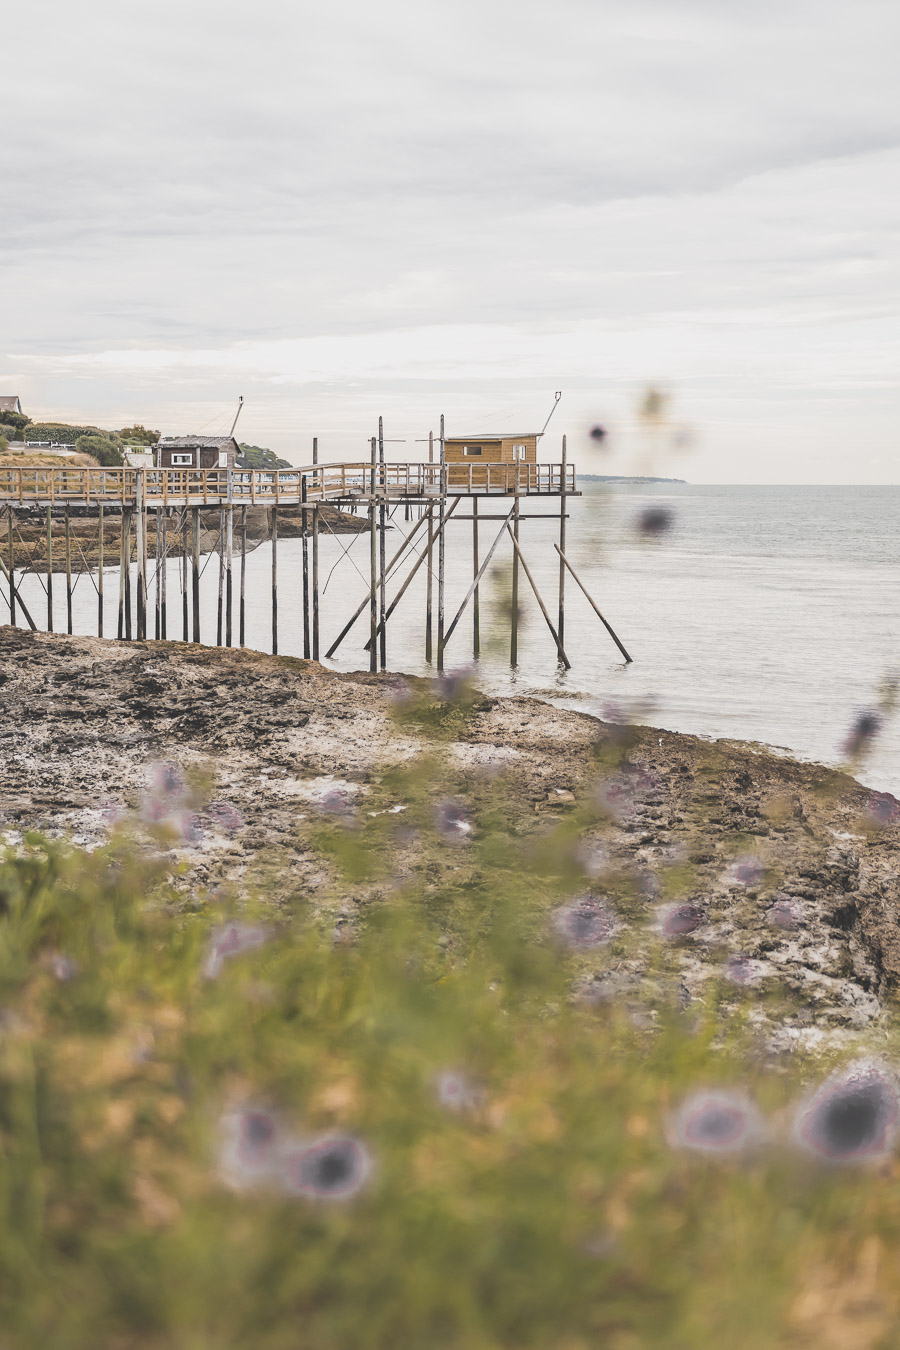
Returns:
<point x="770" y="873"/>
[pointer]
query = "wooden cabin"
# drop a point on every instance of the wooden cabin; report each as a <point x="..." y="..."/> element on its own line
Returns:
<point x="480" y="451"/>
<point x="197" y="452"/>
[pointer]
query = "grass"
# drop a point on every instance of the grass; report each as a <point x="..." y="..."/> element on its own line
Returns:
<point x="550" y="1212"/>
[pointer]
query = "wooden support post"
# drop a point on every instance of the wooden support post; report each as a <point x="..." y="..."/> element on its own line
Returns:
<point x="418" y="563"/>
<point x="221" y="591"/>
<point x="390" y="567"/>
<point x="68" y="570"/>
<point x="274" y="580"/>
<point x="100" y="572"/>
<point x="476" y="611"/>
<point x="315" y="583"/>
<point x="537" y="595"/>
<point x="141" y="558"/>
<point x="162" y="518"/>
<point x="481" y="571"/>
<point x="185" y="615"/>
<point x="120" y="627"/>
<point x="128" y="516"/>
<point x="49" y="570"/>
<point x="195" y="571"/>
<point x="441" y="534"/>
<point x="561" y="624"/>
<point x="429" y="581"/>
<point x="514" y="609"/>
<point x="7" y="572"/>
<point x="583" y="588"/>
<point x="382" y="534"/>
<point x="229" y="556"/>
<point x="304" y="547"/>
<point x="11" y="566"/>
<point x="241" y="610"/>
<point x="373" y="542"/>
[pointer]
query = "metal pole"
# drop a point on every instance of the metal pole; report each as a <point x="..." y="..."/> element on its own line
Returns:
<point x="429" y="580"/>
<point x="561" y="625"/>
<point x="304" y="545"/>
<point x="382" y="594"/>
<point x="583" y="588"/>
<point x="195" y="571"/>
<point x="100" y="574"/>
<point x="241" y="610"/>
<point x="441" y="550"/>
<point x="49" y="570"/>
<point x="274" y="580"/>
<point x="373" y="620"/>
<point x="68" y="571"/>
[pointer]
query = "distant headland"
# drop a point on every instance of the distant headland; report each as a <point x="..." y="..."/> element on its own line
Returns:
<point x="624" y="478"/>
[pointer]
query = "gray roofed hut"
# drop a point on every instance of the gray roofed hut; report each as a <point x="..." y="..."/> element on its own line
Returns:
<point x="10" y="403"/>
<point x="197" y="452"/>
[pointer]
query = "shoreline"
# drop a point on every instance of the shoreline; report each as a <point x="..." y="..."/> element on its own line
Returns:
<point x="275" y="737"/>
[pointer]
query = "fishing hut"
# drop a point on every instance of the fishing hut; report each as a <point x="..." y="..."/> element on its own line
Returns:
<point x="195" y="490"/>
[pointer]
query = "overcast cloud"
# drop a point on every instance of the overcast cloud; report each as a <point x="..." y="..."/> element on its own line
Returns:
<point x="345" y="209"/>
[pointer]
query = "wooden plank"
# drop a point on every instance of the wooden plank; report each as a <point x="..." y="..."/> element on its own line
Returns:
<point x="590" y="601"/>
<point x="537" y="595"/>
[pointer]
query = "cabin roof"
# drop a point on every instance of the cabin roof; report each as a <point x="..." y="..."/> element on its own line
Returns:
<point x="198" y="443"/>
<point x="494" y="439"/>
<point x="10" y="403"/>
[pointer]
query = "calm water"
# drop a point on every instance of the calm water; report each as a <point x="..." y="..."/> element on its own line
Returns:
<point x="767" y="614"/>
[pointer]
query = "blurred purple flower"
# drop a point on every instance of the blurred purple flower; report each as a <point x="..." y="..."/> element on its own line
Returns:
<point x="784" y="914"/>
<point x="655" y="520"/>
<point x="677" y="920"/>
<point x="452" y="820"/>
<point x="247" y="1153"/>
<point x="167" y="780"/>
<point x="715" y="1122"/>
<point x="225" y="815"/>
<point x="739" y="969"/>
<point x="746" y="872"/>
<point x="455" y="1092"/>
<point x="453" y="685"/>
<point x="63" y="967"/>
<point x="189" y="826"/>
<point x="331" y="1168"/>
<point x="852" y="1117"/>
<point x="597" y="433"/>
<point x="863" y="732"/>
<point x="883" y="808"/>
<point x="229" y="941"/>
<point x="586" y="922"/>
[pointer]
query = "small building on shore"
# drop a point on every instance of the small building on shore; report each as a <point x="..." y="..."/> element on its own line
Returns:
<point x="197" y="452"/>
<point x="10" y="403"/>
<point x="470" y="458"/>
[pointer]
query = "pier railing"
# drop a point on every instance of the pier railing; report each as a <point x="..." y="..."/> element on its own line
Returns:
<point x="76" y="485"/>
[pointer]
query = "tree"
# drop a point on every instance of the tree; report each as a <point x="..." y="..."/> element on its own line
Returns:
<point x="104" y="451"/>
<point x="256" y="457"/>
<point x="138" y="435"/>
<point x="18" y="421"/>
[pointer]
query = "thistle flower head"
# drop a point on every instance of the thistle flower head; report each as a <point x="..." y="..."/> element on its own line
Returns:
<point x="334" y="1167"/>
<point x="852" y="1117"/>
<point x="716" y="1122"/>
<point x="586" y="922"/>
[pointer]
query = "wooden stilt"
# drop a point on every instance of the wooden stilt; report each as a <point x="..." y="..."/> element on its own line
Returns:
<point x="14" y="591"/>
<point x="185" y="614"/>
<point x="100" y="572"/>
<point x="514" y="608"/>
<point x="373" y="548"/>
<point x="221" y="591"/>
<point x="561" y="623"/>
<point x="157" y="599"/>
<point x="274" y="580"/>
<point x="49" y="570"/>
<point x="68" y="538"/>
<point x="368" y="599"/>
<point x="11" y="566"/>
<point x="441" y="532"/>
<point x="162" y="518"/>
<point x="429" y="580"/>
<point x="476" y="611"/>
<point x="120" y="627"/>
<point x="580" y="584"/>
<point x="537" y="595"/>
<point x="195" y="571"/>
<point x="418" y="563"/>
<point x="304" y="546"/>
<point x="142" y="595"/>
<point x="128" y="515"/>
<point x="315" y="583"/>
<point x="229" y="553"/>
<point x="382" y="533"/>
<point x="481" y="571"/>
<point x="241" y="613"/>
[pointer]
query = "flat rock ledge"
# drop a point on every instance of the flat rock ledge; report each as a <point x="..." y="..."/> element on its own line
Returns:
<point x="756" y="835"/>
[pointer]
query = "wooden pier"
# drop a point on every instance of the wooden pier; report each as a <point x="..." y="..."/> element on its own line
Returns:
<point x="433" y="494"/>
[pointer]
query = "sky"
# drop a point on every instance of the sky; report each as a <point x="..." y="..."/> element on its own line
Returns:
<point x="350" y="209"/>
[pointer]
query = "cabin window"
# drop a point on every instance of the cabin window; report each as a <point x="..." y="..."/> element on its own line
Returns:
<point x="519" y="451"/>
<point x="223" y="459"/>
<point x="178" y="460"/>
<point x="471" y="449"/>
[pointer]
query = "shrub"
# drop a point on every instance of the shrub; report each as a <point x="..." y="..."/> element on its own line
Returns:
<point x="18" y="421"/>
<point x="256" y="457"/>
<point x="138" y="435"/>
<point x="104" y="451"/>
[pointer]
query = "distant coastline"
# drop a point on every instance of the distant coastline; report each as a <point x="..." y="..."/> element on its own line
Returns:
<point x="624" y="478"/>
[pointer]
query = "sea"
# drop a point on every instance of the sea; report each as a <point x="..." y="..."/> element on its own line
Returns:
<point x="765" y="614"/>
